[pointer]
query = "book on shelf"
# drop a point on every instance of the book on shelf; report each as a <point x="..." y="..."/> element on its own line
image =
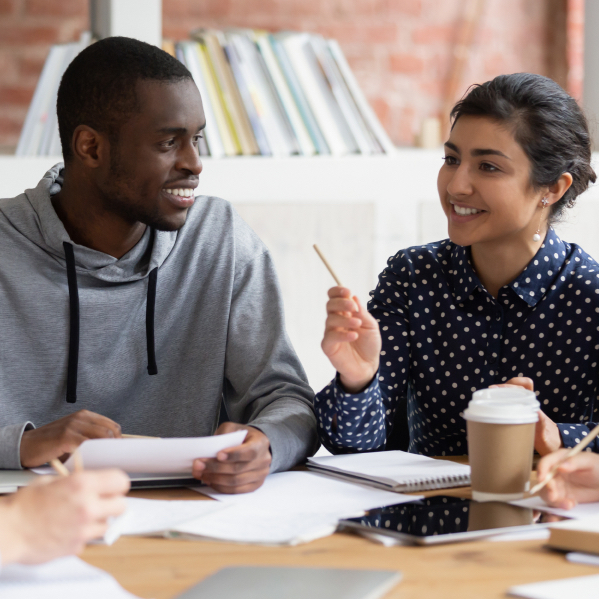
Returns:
<point x="269" y="94"/>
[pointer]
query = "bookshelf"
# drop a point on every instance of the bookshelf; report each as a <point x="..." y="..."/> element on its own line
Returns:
<point x="359" y="209"/>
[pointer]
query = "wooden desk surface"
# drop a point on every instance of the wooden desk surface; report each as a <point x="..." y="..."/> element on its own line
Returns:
<point x="163" y="568"/>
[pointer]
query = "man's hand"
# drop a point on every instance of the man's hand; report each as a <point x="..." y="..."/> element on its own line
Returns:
<point x="60" y="438"/>
<point x="576" y="480"/>
<point x="55" y="517"/>
<point x="547" y="437"/>
<point x="238" y="469"/>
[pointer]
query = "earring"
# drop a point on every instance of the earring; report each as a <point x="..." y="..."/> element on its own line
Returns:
<point x="537" y="235"/>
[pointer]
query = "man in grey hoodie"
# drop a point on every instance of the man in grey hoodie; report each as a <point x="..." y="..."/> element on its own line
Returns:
<point x="126" y="302"/>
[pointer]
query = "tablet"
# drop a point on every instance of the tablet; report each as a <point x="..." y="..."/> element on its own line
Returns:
<point x="444" y="519"/>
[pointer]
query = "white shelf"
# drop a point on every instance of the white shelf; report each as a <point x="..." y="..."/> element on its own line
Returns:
<point x="359" y="209"/>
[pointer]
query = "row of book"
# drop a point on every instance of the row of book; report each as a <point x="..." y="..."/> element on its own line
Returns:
<point x="266" y="94"/>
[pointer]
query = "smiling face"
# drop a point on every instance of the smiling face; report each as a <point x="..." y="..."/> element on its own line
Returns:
<point x="484" y="185"/>
<point x="154" y="166"/>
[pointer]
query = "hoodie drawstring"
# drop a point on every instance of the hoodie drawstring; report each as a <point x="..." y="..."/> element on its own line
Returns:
<point x="74" y="322"/>
<point x="150" y="305"/>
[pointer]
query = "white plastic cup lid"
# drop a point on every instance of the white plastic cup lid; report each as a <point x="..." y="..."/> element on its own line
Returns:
<point x="507" y="393"/>
<point x="503" y="406"/>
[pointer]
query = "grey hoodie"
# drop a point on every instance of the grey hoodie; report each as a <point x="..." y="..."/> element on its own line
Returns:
<point x="218" y="330"/>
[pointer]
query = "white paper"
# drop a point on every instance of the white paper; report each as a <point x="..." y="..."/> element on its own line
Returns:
<point x="536" y="534"/>
<point x="154" y="516"/>
<point x="64" y="578"/>
<point x="310" y="492"/>
<point x="586" y="559"/>
<point x="153" y="456"/>
<point x="289" y="508"/>
<point x="582" y="510"/>
<point x="583" y="587"/>
<point x="240" y="523"/>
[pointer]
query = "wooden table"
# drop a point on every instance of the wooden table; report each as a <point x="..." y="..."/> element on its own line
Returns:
<point x="163" y="568"/>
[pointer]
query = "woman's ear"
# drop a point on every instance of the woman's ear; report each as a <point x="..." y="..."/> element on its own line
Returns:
<point x="556" y="192"/>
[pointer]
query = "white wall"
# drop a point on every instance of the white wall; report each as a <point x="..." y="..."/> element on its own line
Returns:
<point x="360" y="210"/>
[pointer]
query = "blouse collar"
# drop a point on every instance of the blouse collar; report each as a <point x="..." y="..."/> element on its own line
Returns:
<point x="530" y="286"/>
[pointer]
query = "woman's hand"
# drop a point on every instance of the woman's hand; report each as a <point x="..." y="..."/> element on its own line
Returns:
<point x="53" y="516"/>
<point x="547" y="436"/>
<point x="576" y="480"/>
<point x="352" y="341"/>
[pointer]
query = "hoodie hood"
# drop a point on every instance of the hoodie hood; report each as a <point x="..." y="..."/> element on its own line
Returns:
<point x="42" y="226"/>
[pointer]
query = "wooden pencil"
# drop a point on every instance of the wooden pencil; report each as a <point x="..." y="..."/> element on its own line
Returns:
<point x="59" y="467"/>
<point x="574" y="451"/>
<point x="325" y="262"/>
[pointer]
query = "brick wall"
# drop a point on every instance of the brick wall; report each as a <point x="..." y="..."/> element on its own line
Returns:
<point x="400" y="50"/>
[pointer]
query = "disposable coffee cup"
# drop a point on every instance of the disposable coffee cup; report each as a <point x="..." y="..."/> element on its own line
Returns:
<point x="501" y="430"/>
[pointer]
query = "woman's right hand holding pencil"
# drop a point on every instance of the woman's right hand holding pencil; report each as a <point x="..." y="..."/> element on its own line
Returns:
<point x="576" y="480"/>
<point x="352" y="341"/>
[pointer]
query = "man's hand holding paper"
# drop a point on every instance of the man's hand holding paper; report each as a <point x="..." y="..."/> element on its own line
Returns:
<point x="60" y="438"/>
<point x="239" y="469"/>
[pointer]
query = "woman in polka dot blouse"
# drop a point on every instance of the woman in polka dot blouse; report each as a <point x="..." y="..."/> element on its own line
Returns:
<point x="502" y="299"/>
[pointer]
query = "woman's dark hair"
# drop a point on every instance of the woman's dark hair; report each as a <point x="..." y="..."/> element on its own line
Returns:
<point x="546" y="122"/>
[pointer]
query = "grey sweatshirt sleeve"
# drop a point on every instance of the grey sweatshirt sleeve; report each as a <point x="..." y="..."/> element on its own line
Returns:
<point x="10" y="445"/>
<point x="265" y="384"/>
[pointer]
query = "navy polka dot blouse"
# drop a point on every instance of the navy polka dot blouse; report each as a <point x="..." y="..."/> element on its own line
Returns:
<point x="444" y="336"/>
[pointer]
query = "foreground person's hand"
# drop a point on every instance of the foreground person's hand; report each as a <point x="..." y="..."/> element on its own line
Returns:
<point x="60" y="438"/>
<point x="238" y="469"/>
<point x="352" y="340"/>
<point x="547" y="435"/>
<point x="576" y="480"/>
<point x="55" y="517"/>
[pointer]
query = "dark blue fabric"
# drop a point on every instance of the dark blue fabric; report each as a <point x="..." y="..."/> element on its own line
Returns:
<point x="444" y="336"/>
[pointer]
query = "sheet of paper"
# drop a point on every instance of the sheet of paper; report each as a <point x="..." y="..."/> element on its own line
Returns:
<point x="153" y="456"/>
<point x="311" y="492"/>
<point x="64" y="578"/>
<point x="582" y="510"/>
<point x="154" y="516"/>
<point x="538" y="534"/>
<point x="583" y="558"/>
<point x="583" y="587"/>
<point x="289" y="508"/>
<point x="239" y="523"/>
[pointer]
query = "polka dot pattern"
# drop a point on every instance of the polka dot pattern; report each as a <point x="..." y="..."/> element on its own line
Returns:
<point x="444" y="336"/>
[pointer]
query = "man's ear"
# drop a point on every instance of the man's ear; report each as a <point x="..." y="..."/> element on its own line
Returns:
<point x="89" y="146"/>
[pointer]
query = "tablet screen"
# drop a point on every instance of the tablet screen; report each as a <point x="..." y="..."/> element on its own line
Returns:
<point x="444" y="515"/>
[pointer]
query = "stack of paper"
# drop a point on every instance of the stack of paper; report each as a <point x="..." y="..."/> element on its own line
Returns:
<point x="65" y="578"/>
<point x="153" y="517"/>
<point x="290" y="508"/>
<point x="583" y="587"/>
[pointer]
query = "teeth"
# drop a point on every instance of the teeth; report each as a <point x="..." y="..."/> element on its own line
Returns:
<point x="465" y="211"/>
<point x="183" y="191"/>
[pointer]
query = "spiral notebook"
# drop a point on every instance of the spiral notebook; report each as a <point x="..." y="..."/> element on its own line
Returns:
<point x="393" y="470"/>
